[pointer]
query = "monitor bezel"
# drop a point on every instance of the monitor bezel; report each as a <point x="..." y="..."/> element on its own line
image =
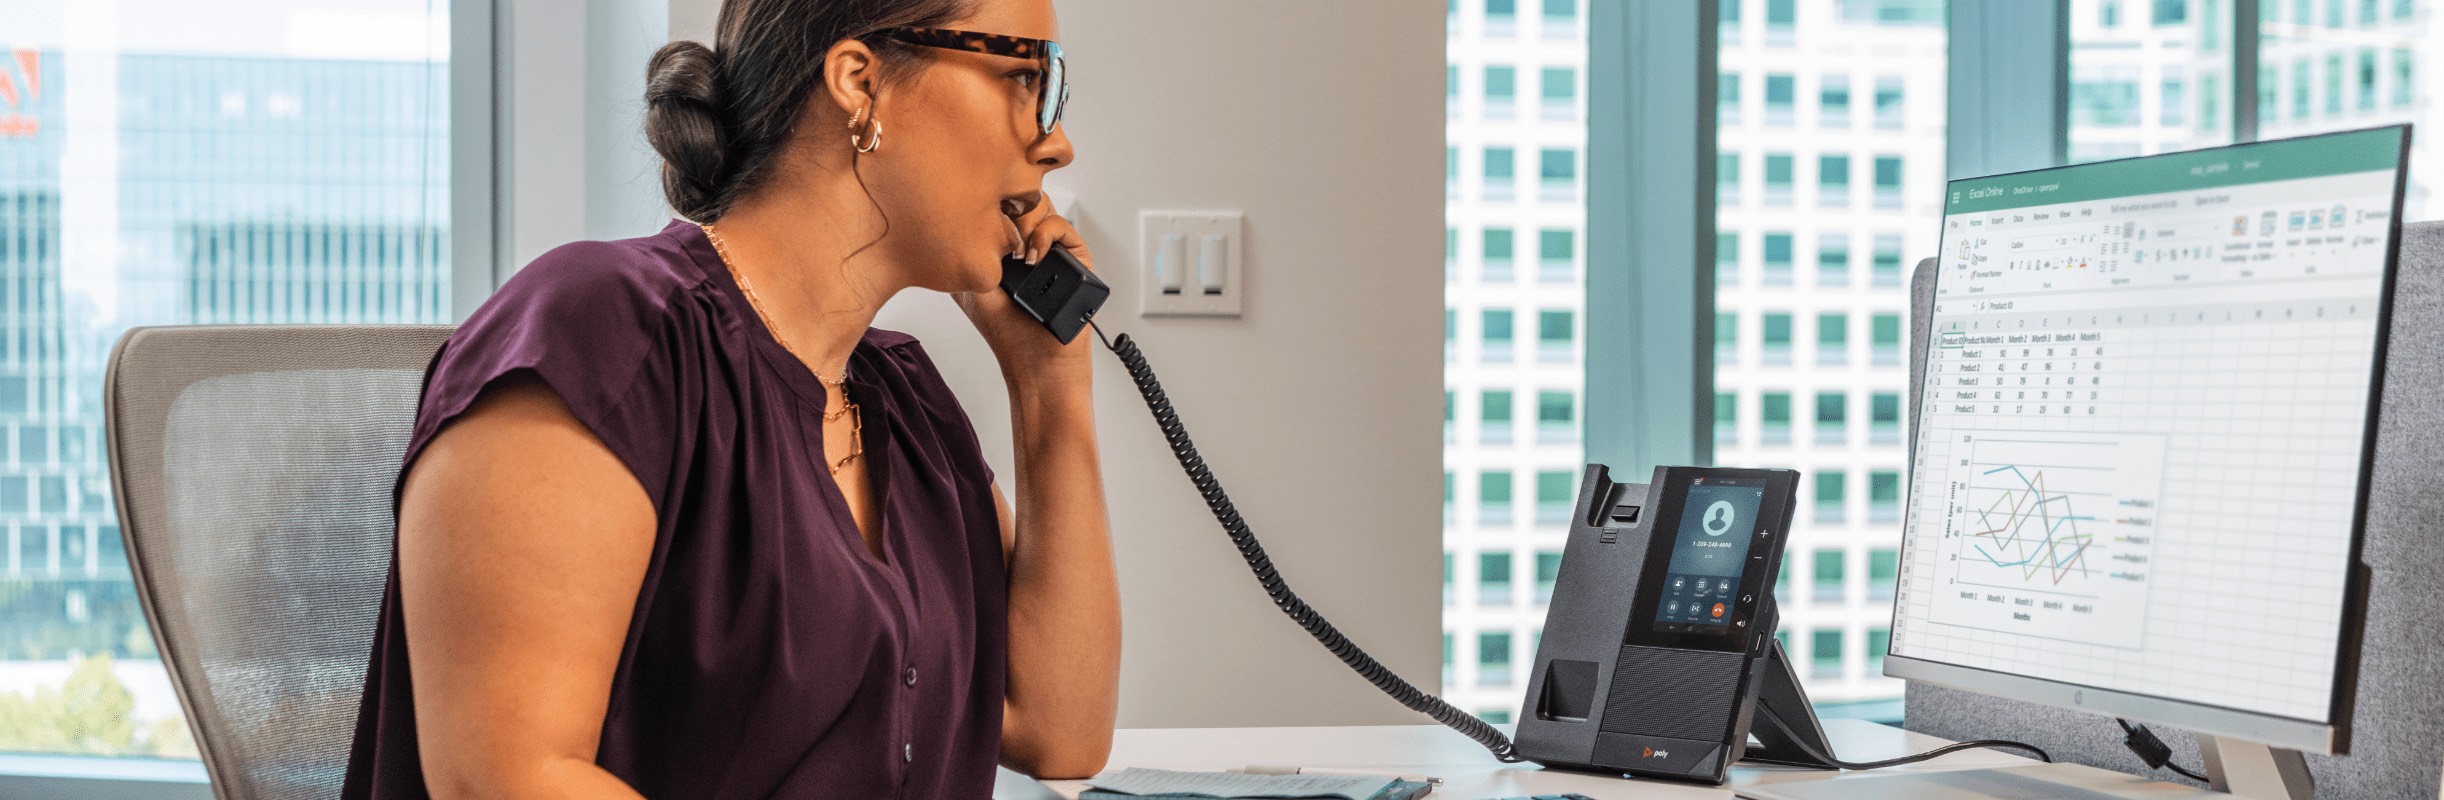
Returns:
<point x="2329" y="737"/>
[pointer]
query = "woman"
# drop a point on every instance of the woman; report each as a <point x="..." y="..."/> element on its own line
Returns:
<point x="676" y="523"/>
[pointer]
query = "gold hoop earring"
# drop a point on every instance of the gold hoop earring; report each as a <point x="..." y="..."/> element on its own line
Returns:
<point x="855" y="118"/>
<point x="873" y="137"/>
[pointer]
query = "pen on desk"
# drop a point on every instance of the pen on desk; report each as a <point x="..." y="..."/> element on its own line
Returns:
<point x="1276" y="769"/>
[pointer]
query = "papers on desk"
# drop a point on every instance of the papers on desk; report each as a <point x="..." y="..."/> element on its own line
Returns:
<point x="1137" y="782"/>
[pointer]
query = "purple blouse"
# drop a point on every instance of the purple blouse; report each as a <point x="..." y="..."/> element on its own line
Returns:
<point x="771" y="654"/>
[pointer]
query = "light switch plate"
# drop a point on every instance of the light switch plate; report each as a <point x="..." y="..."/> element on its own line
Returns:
<point x="1193" y="298"/>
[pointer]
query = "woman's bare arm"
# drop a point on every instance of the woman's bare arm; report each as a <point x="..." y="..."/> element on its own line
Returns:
<point x="1064" y="594"/>
<point x="522" y="544"/>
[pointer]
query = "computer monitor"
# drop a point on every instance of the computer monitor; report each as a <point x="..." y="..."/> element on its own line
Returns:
<point x="2141" y="462"/>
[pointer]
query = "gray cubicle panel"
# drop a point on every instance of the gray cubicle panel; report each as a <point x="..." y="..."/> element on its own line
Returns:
<point x="2397" y="730"/>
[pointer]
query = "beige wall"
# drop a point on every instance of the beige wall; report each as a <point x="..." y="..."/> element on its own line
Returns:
<point x="1321" y="121"/>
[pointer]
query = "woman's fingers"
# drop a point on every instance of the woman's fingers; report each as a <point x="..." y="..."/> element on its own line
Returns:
<point x="1053" y="231"/>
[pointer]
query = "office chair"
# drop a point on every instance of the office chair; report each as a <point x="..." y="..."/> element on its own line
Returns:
<point x="253" y="467"/>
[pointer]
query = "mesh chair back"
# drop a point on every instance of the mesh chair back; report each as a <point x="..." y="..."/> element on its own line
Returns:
<point x="254" y="467"/>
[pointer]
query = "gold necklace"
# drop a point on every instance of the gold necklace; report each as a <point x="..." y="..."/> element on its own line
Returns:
<point x="848" y="407"/>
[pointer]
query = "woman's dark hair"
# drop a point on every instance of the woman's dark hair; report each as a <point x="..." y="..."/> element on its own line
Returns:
<point x="720" y="117"/>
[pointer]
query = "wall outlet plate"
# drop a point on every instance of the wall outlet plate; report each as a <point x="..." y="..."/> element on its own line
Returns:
<point x="1191" y="263"/>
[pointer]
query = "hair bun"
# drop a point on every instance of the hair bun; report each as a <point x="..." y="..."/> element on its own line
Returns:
<point x="683" y="123"/>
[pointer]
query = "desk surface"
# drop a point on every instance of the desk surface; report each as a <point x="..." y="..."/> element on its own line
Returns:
<point x="1470" y="773"/>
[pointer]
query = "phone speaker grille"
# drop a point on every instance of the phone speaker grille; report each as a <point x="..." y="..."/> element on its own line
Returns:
<point x="1684" y="694"/>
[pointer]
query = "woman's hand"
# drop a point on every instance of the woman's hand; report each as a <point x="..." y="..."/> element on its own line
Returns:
<point x="1029" y="354"/>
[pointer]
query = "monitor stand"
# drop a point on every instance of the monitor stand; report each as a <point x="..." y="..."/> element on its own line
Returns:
<point x="1784" y="723"/>
<point x="2253" y="770"/>
<point x="2238" y="769"/>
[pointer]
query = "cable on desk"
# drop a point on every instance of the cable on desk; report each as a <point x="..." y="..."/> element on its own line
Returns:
<point x="1945" y="750"/>
<point x="1274" y="587"/>
<point x="2154" y="751"/>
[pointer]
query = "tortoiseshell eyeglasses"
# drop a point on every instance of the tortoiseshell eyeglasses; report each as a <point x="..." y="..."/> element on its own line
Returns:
<point x="1051" y="91"/>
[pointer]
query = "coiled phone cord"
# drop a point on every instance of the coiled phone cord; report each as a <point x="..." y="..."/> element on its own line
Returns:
<point x="1274" y="587"/>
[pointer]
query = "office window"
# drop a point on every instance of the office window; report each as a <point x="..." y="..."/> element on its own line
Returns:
<point x="1556" y="417"/>
<point x="1451" y="402"/>
<point x="1560" y="19"/>
<point x="1832" y="259"/>
<point x="1447" y="637"/>
<point x="1776" y="339"/>
<point x="1727" y="99"/>
<point x="1883" y="572"/>
<point x="1781" y="98"/>
<point x="1451" y="90"/>
<point x="1495" y="251"/>
<point x="1494" y="654"/>
<point x="2403" y="68"/>
<point x="1494" y="500"/>
<point x="1833" y="101"/>
<point x="1888" y="181"/>
<point x="2367" y="80"/>
<point x="1726" y="418"/>
<point x="1548" y="572"/>
<point x="1883" y="496"/>
<point x="1497" y="332"/>
<point x="1451" y="334"/>
<point x="1557" y="93"/>
<point x="1778" y="179"/>
<point x="1774" y="418"/>
<point x="1888" y="111"/>
<point x="1451" y="172"/>
<point x="140" y="158"/>
<point x="1556" y="250"/>
<point x="1828" y="574"/>
<point x="1555" y="333"/>
<point x="1501" y="92"/>
<point x="1884" y="338"/>
<point x="1879" y="645"/>
<point x="1832" y="339"/>
<point x="2109" y="14"/>
<point x="2333" y="86"/>
<point x="1728" y="22"/>
<point x="1778" y="247"/>
<point x="1831" y="508"/>
<point x="1557" y="171"/>
<point x="1884" y="422"/>
<point x="1887" y="260"/>
<point x="1833" y="181"/>
<point x="2300" y="81"/>
<point x="1451" y="254"/>
<point x="1727" y="180"/>
<point x="1832" y="418"/>
<point x="1781" y="21"/>
<point x="1726" y="339"/>
<point x="1494" y="579"/>
<point x="2172" y="103"/>
<point x="1501" y="18"/>
<point x="1501" y="181"/>
<point x="1556" y="492"/>
<point x="1726" y="258"/>
<point x="1451" y="488"/>
<point x="2171" y="12"/>
<point x="1494" y="416"/>
<point x="1450" y="578"/>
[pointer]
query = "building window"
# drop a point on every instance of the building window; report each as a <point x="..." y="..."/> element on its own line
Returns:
<point x="1887" y="260"/>
<point x="1883" y="573"/>
<point x="1832" y="418"/>
<point x="1778" y="179"/>
<point x="1560" y="19"/>
<point x="1727" y="99"/>
<point x="1557" y="170"/>
<point x="1726" y="338"/>
<point x="1888" y="181"/>
<point x="1781" y="22"/>
<point x="2109" y="14"/>
<point x="1884" y="332"/>
<point x="1879" y="641"/>
<point x="1555" y="332"/>
<point x="1776" y="351"/>
<point x="2403" y="68"/>
<point x="1729" y="22"/>
<point x="1824" y="659"/>
<point x="1494" y="504"/>
<point x="1888" y="111"/>
<point x="1833" y="181"/>
<point x="2173" y="103"/>
<point x="1831" y="501"/>
<point x="1833" y="259"/>
<point x="1828" y="573"/>
<point x="1494" y="650"/>
<point x="1450" y="576"/>
<point x="1556" y="418"/>
<point x="1554" y="497"/>
<point x="2171" y="12"/>
<point x="1883" y="496"/>
<point x="2300" y="80"/>
<point x="1498" y="342"/>
<point x="1501" y="92"/>
<point x="1556" y="250"/>
<point x="1548" y="572"/>
<point x="1496" y="250"/>
<point x="1726" y="417"/>
<point x="2367" y="80"/>
<point x="2333" y="85"/>
<point x="1501" y="179"/>
<point x="1781" y="98"/>
<point x="1451" y="172"/>
<point x="1774" y="424"/>
<point x="1451" y="254"/>
<point x="1557" y="91"/>
<point x="1451" y="486"/>
<point x="1727" y="179"/>
<point x="1726" y="258"/>
<point x="1884" y="424"/>
<point x="1450" y="424"/>
<point x="1451" y="334"/>
<point x="1833" y="102"/>
<point x="1451" y="90"/>
<point x="1778" y="247"/>
<point x="1494" y="417"/>
<point x="1832" y="339"/>
<point x="1501" y="18"/>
